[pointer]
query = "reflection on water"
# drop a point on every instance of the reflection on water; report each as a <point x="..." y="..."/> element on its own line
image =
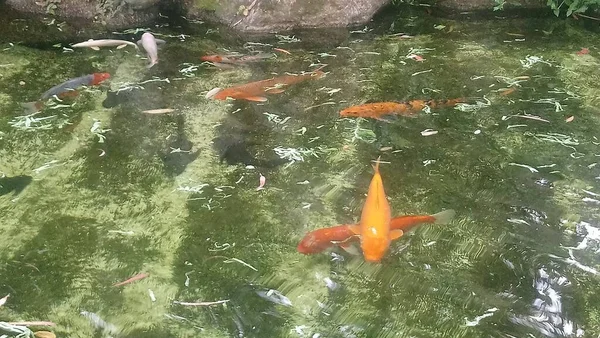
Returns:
<point x="95" y="192"/>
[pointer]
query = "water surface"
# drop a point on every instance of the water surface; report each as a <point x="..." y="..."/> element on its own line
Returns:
<point x="113" y="192"/>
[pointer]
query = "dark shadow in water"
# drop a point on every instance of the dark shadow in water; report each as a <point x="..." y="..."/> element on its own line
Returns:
<point x="14" y="184"/>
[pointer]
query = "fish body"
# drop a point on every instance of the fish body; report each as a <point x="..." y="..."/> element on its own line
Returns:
<point x="72" y="84"/>
<point x="132" y="279"/>
<point x="150" y="45"/>
<point x="374" y="226"/>
<point x="96" y="44"/>
<point x="255" y="91"/>
<point x="321" y="239"/>
<point x="66" y="89"/>
<point x="236" y="60"/>
<point x="378" y="110"/>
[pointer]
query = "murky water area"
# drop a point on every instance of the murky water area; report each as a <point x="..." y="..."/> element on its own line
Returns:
<point x="95" y="191"/>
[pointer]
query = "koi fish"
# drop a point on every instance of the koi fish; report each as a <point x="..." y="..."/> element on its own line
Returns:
<point x="321" y="239"/>
<point x="150" y="45"/>
<point x="132" y="279"/>
<point x="255" y="91"/>
<point x="68" y="88"/>
<point x="96" y="44"/>
<point x="236" y="60"/>
<point x="378" y="110"/>
<point x="375" y="228"/>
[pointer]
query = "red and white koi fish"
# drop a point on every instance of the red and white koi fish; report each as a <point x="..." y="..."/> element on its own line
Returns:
<point x="67" y="89"/>
<point x="150" y="45"/>
<point x="132" y="279"/>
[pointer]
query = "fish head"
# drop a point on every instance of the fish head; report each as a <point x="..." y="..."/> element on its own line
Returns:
<point x="374" y="247"/>
<point x="212" y="58"/>
<point x="307" y="245"/>
<point x="99" y="78"/>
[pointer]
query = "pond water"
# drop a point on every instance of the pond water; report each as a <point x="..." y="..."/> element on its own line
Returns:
<point x="95" y="191"/>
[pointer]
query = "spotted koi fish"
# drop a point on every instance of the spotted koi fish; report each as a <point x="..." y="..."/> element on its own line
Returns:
<point x="379" y="110"/>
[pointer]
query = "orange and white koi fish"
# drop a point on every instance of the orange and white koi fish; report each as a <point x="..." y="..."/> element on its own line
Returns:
<point x="321" y="239"/>
<point x="235" y="59"/>
<point x="68" y="88"/>
<point x="379" y="110"/>
<point x="255" y="91"/>
<point x="132" y="279"/>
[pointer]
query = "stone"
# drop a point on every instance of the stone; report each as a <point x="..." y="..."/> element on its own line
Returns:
<point x="114" y="14"/>
<point x="475" y="5"/>
<point x="283" y="15"/>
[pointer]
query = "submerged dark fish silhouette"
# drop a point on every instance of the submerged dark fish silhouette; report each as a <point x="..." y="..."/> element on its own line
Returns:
<point x="235" y="151"/>
<point x="16" y="184"/>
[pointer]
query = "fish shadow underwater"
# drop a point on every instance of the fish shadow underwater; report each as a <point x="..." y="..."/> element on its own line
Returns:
<point x="14" y="184"/>
<point x="235" y="150"/>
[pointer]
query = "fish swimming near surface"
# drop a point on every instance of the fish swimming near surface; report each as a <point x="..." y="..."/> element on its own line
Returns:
<point x="14" y="184"/>
<point x="67" y="88"/>
<point x="150" y="45"/>
<point x="235" y="59"/>
<point x="255" y="91"/>
<point x="341" y="235"/>
<point x="375" y="229"/>
<point x="379" y="110"/>
<point x="96" y="44"/>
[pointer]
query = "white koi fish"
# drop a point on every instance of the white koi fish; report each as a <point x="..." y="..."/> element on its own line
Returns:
<point x="96" y="44"/>
<point x="150" y="44"/>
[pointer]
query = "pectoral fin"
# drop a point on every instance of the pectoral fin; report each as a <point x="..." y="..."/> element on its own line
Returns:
<point x="159" y="43"/>
<point x="355" y="229"/>
<point x="95" y="48"/>
<point x="395" y="234"/>
<point x="122" y="46"/>
<point x="256" y="98"/>
<point x="276" y="91"/>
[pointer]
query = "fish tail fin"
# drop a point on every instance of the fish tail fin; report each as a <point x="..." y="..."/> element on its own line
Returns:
<point x="444" y="217"/>
<point x="376" y="166"/>
<point x="31" y="107"/>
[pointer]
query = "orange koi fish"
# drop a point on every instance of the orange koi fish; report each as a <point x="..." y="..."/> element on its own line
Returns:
<point x="318" y="240"/>
<point x="378" y="110"/>
<point x="374" y="227"/>
<point x="255" y="91"/>
<point x="321" y="239"/>
<point x="132" y="279"/>
<point x="237" y="60"/>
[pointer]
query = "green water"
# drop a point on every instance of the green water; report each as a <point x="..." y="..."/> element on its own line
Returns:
<point x="519" y="260"/>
